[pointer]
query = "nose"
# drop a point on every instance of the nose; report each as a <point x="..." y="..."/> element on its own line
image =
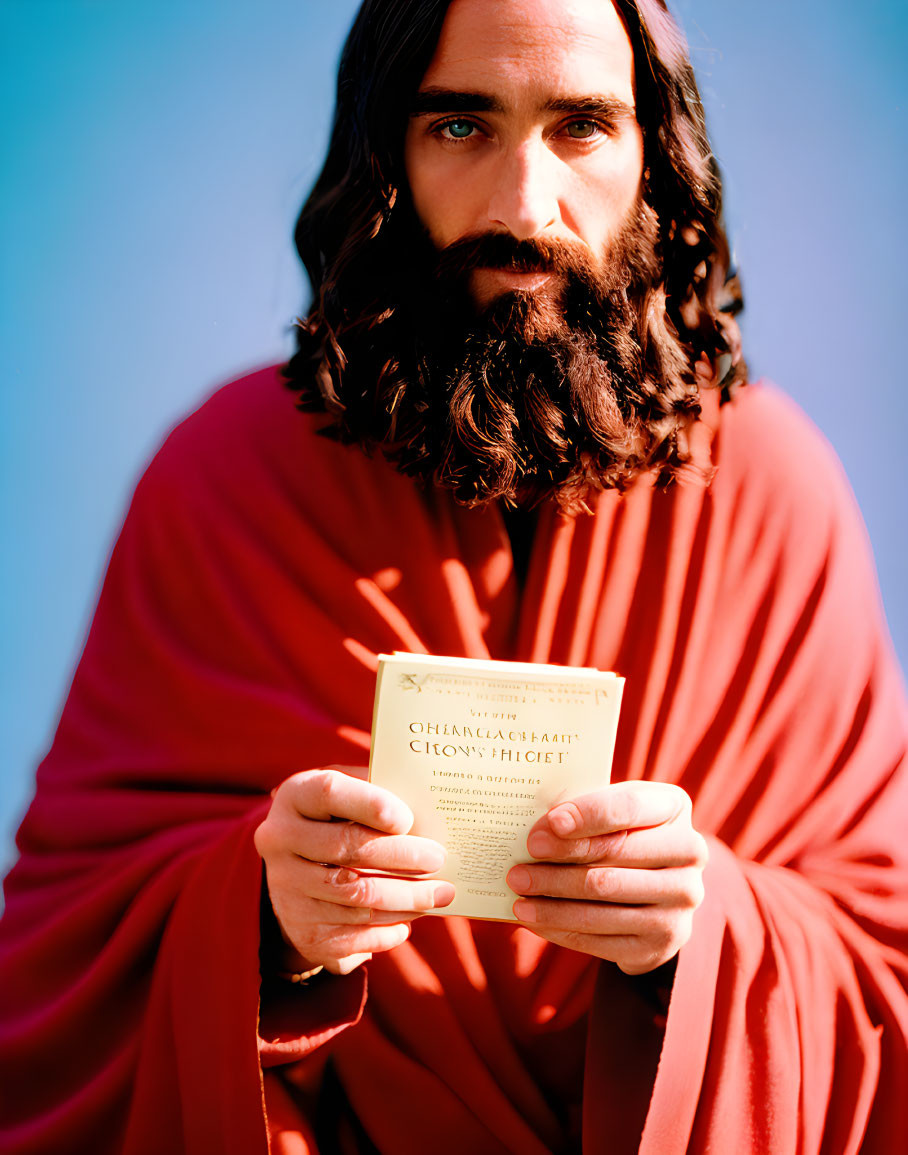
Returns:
<point x="525" y="199"/>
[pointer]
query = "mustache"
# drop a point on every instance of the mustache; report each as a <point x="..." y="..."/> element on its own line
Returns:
<point x="504" y="251"/>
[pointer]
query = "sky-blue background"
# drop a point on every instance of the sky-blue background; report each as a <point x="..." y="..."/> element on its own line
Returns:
<point x="154" y="157"/>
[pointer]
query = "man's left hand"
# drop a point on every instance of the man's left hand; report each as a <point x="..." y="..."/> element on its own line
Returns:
<point x="622" y="878"/>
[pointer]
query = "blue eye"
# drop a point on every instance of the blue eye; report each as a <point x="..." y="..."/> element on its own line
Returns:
<point x="459" y="129"/>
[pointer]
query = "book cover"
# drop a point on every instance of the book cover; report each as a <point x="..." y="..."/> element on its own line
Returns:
<point x="479" y="750"/>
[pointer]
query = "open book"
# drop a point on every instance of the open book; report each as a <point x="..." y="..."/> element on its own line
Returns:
<point x="479" y="750"/>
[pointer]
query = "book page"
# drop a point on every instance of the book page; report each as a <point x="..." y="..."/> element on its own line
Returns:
<point x="481" y="750"/>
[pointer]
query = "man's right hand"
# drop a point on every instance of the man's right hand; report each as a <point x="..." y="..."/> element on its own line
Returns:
<point x="326" y="831"/>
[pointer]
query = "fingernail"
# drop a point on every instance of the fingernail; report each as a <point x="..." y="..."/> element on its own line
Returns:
<point x="541" y="845"/>
<point x="562" y="820"/>
<point x="525" y="911"/>
<point x="519" y="878"/>
<point x="443" y="894"/>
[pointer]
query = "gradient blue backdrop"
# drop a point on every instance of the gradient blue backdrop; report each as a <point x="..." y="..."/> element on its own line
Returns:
<point x="154" y="160"/>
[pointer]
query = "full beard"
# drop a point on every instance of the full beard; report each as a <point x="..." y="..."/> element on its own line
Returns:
<point x="580" y="385"/>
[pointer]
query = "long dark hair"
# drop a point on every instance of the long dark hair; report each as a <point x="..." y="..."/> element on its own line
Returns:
<point x="356" y="226"/>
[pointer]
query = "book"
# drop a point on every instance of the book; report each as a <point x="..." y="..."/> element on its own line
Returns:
<point x="479" y="750"/>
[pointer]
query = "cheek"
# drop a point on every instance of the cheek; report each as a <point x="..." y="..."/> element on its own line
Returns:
<point x="630" y="170"/>
<point x="427" y="189"/>
<point x="605" y="198"/>
<point x="415" y="174"/>
<point x="430" y="209"/>
<point x="440" y="208"/>
<point x="444" y="191"/>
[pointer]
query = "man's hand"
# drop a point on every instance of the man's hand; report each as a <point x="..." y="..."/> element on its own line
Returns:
<point x="624" y="875"/>
<point x="327" y="830"/>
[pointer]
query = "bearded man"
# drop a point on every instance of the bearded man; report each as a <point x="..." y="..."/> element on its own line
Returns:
<point x="523" y="437"/>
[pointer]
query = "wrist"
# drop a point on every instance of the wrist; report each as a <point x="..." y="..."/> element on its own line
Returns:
<point x="277" y="957"/>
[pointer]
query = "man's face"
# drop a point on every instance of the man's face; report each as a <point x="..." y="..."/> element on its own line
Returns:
<point x="525" y="125"/>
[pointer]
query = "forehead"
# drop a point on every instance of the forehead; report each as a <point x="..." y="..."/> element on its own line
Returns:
<point x="527" y="46"/>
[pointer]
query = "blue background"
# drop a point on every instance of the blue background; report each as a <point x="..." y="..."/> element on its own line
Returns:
<point x="155" y="156"/>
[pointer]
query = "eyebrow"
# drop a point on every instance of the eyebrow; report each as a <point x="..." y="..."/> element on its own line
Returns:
<point x="431" y="101"/>
<point x="434" y="100"/>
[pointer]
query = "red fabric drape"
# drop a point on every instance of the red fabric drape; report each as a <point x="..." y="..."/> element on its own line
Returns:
<point x="259" y="572"/>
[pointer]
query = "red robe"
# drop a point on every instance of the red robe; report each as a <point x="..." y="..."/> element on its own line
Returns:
<point x="259" y="572"/>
